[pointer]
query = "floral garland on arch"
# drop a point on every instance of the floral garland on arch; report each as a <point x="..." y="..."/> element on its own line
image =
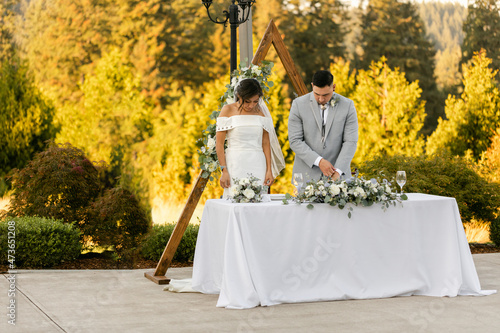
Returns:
<point x="356" y="191"/>
<point x="208" y="156"/>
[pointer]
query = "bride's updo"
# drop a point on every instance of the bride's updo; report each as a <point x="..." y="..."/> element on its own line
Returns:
<point x="246" y="89"/>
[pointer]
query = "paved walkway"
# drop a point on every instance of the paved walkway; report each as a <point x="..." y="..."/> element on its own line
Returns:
<point x="125" y="301"/>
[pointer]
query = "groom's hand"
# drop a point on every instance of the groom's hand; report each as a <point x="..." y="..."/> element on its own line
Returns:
<point x="328" y="169"/>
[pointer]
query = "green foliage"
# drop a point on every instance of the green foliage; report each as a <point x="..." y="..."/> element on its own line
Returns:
<point x="39" y="242"/>
<point x="482" y="31"/>
<point x="25" y="117"/>
<point x="156" y="241"/>
<point x="58" y="183"/>
<point x="444" y="28"/>
<point x="495" y="231"/>
<point x="393" y="29"/>
<point x="118" y="220"/>
<point x="111" y="121"/>
<point x="473" y="118"/>
<point x="314" y="33"/>
<point x="390" y="113"/>
<point x="7" y="28"/>
<point x="443" y="175"/>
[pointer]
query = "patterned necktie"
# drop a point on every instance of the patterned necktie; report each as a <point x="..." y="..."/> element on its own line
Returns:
<point x="323" y="108"/>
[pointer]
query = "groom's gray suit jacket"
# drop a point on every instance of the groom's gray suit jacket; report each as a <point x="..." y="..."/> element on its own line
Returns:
<point x="304" y="135"/>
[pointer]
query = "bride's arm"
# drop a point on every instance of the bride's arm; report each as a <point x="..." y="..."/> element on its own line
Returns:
<point x="266" y="146"/>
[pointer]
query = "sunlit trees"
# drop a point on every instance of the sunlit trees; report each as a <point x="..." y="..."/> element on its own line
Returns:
<point x="25" y="117"/>
<point x="393" y="29"/>
<point x="390" y="113"/>
<point x="473" y="118"/>
<point x="112" y="117"/>
<point x="482" y="31"/>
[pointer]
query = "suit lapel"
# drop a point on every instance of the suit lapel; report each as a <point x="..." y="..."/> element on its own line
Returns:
<point x="315" y="111"/>
<point x="331" y="117"/>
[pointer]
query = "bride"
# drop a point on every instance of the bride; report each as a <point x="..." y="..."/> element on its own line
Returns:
<point x="252" y="144"/>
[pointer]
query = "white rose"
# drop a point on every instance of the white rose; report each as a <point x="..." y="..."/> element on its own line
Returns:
<point x="229" y="100"/>
<point x="321" y="188"/>
<point x="235" y="191"/>
<point x="320" y="182"/>
<point x="255" y="183"/>
<point x="212" y="166"/>
<point x="309" y="190"/>
<point x="249" y="193"/>
<point x="334" y="190"/>
<point x="324" y="193"/>
<point x="244" y="181"/>
<point x="256" y="70"/>
<point x="234" y="81"/>
<point x="211" y="143"/>
<point x="388" y="189"/>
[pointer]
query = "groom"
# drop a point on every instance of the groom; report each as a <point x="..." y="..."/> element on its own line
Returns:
<point x="323" y="131"/>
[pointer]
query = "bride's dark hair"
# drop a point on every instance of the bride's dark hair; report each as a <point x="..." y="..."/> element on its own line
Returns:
<point x="246" y="89"/>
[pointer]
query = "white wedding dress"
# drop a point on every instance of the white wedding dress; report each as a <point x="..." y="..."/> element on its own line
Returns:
<point x="244" y="153"/>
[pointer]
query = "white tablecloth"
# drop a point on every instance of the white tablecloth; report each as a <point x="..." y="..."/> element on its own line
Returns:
<point x="270" y="253"/>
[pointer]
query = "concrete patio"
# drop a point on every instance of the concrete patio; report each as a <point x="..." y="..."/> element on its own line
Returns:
<point x="125" y="301"/>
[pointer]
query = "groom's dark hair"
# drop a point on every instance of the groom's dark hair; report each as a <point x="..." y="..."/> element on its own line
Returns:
<point x="322" y="79"/>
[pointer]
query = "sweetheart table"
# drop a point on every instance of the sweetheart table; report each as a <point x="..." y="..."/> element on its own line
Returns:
<point x="270" y="253"/>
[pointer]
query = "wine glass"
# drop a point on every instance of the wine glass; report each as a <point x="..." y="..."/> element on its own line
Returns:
<point x="401" y="179"/>
<point x="298" y="181"/>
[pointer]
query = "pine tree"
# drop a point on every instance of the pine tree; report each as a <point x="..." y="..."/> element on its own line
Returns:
<point x="314" y="34"/>
<point x="112" y="119"/>
<point x="473" y="118"/>
<point x="482" y="31"/>
<point x="7" y="17"/>
<point x="25" y="116"/>
<point x="390" y="113"/>
<point x="394" y="29"/>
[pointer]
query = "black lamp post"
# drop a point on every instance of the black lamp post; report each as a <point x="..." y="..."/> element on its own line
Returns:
<point x="233" y="17"/>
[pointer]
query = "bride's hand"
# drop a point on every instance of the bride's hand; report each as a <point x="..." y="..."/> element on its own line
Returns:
<point x="269" y="179"/>
<point x="225" y="180"/>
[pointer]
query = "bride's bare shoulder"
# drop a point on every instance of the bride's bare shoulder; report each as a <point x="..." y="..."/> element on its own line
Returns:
<point x="229" y="110"/>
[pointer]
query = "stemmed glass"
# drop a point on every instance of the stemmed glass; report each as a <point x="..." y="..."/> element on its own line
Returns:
<point x="401" y="179"/>
<point x="297" y="181"/>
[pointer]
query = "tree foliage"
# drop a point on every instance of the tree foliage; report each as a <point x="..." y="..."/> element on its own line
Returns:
<point x="314" y="34"/>
<point x="482" y="31"/>
<point x="394" y="29"/>
<point x="25" y="116"/>
<point x="390" y="113"/>
<point x="473" y="118"/>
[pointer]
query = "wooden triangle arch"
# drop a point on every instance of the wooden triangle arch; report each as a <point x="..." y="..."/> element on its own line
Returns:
<point x="271" y="36"/>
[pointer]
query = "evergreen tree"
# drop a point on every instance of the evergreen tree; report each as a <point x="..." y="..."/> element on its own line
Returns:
<point x="25" y="116"/>
<point x="473" y="118"/>
<point x="314" y="34"/>
<point x="112" y="118"/>
<point x="482" y="31"/>
<point x="393" y="29"/>
<point x="7" y="17"/>
<point x="390" y="113"/>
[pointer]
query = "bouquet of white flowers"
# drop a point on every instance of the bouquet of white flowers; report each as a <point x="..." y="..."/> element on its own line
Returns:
<point x="357" y="191"/>
<point x="247" y="190"/>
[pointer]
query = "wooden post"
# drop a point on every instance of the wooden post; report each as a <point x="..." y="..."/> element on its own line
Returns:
<point x="273" y="36"/>
<point x="168" y="254"/>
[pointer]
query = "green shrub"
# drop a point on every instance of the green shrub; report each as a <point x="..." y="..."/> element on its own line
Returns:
<point x="495" y="231"/>
<point x="39" y="242"/>
<point x="118" y="220"/>
<point x="443" y="175"/>
<point x="155" y="242"/>
<point x="58" y="183"/>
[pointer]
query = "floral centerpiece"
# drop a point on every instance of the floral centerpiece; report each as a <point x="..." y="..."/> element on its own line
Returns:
<point x="247" y="190"/>
<point x="356" y="191"/>
<point x="208" y="155"/>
